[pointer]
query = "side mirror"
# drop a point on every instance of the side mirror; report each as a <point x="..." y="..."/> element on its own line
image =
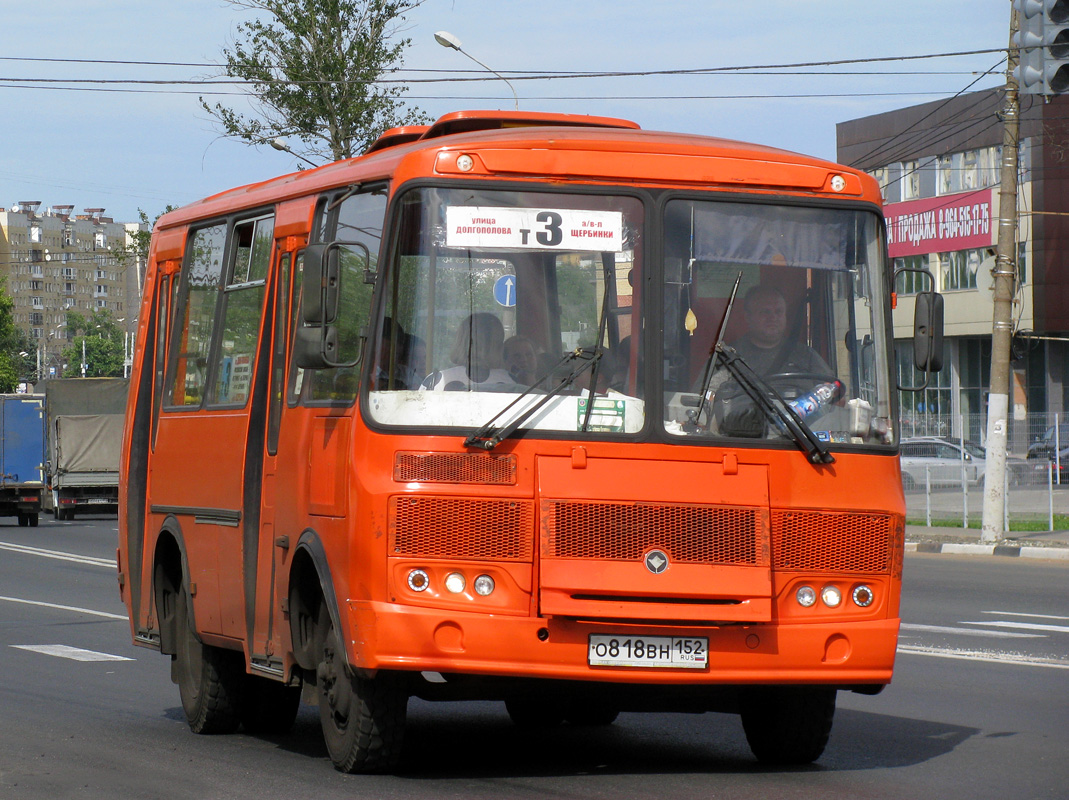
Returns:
<point x="316" y="348"/>
<point x="928" y="332"/>
<point x="321" y="284"/>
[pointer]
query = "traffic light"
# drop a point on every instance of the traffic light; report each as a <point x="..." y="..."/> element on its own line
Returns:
<point x="1043" y="42"/>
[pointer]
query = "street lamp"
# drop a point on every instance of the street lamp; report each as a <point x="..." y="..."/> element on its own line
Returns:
<point x="280" y="144"/>
<point x="446" y="39"/>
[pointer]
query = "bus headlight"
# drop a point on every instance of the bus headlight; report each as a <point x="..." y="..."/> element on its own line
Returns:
<point x="418" y="581"/>
<point x="831" y="596"/>
<point x="455" y="583"/>
<point x="863" y="596"/>
<point x="484" y="585"/>
<point x="805" y="596"/>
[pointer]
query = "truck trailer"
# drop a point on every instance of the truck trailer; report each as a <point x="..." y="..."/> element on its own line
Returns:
<point x="85" y="424"/>
<point x="22" y="456"/>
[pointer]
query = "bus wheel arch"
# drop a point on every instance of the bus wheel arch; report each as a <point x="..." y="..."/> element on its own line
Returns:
<point x="312" y="604"/>
<point x="168" y="571"/>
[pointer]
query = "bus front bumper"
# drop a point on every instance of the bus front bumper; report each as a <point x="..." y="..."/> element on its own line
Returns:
<point x="397" y="637"/>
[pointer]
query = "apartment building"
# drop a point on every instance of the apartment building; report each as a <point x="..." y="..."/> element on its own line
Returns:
<point x="939" y="165"/>
<point x="55" y="261"/>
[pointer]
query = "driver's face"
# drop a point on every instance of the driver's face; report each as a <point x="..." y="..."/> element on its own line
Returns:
<point x="766" y="318"/>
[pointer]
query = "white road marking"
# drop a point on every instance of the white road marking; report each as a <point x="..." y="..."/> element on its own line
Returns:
<point x="913" y="626"/>
<point x="73" y="653"/>
<point x="1027" y="626"/>
<point x="89" y="611"/>
<point x="56" y="554"/>
<point x="1021" y="614"/>
<point x="1013" y="659"/>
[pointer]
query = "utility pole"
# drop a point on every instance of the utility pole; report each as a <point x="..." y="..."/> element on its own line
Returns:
<point x="1004" y="274"/>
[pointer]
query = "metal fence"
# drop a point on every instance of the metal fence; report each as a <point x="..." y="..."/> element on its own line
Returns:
<point x="940" y="492"/>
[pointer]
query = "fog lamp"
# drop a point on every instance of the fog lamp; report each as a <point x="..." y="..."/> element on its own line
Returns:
<point x="484" y="585"/>
<point x="831" y="596"/>
<point x="418" y="580"/>
<point x="863" y="596"/>
<point x="805" y="596"/>
<point x="455" y="583"/>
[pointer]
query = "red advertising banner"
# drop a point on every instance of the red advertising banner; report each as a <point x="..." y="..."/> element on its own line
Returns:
<point x="941" y="224"/>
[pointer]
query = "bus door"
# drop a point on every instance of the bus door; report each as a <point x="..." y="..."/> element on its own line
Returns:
<point x="198" y="468"/>
<point x="307" y="457"/>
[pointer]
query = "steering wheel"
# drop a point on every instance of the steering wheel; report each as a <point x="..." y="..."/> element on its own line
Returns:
<point x="736" y="414"/>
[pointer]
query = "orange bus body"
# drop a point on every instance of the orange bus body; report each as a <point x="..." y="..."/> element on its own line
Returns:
<point x="256" y="523"/>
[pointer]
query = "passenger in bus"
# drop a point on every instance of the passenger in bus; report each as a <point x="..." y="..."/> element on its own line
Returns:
<point x="476" y="357"/>
<point x="521" y="360"/>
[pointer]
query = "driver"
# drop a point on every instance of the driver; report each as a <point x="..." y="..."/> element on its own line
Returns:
<point x="765" y="346"/>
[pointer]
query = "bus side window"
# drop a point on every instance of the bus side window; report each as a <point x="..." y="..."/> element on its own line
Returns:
<point x="278" y="357"/>
<point x="163" y="318"/>
<point x="243" y="300"/>
<point x="197" y="298"/>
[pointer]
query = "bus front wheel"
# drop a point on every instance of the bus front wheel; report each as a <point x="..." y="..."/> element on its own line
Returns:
<point x="208" y="678"/>
<point x="788" y="725"/>
<point x="363" y="719"/>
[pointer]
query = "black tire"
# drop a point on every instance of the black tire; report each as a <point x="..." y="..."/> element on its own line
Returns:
<point x="267" y="706"/>
<point x="209" y="678"/>
<point x="23" y="520"/>
<point x="788" y="725"/>
<point x="33" y="520"/>
<point x="535" y="710"/>
<point x="363" y="719"/>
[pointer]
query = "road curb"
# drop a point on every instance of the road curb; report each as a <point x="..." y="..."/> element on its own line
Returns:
<point x="1014" y="551"/>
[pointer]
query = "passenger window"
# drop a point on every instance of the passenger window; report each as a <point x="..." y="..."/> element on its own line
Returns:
<point x="242" y="311"/>
<point x="198" y="298"/>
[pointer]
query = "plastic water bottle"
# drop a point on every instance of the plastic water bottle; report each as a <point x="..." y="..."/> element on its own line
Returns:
<point x="822" y="395"/>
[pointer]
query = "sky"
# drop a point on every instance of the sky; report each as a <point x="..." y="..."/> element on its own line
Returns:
<point x="87" y="138"/>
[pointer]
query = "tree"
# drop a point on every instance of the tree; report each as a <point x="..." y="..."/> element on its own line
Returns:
<point x="312" y="68"/>
<point x="135" y="254"/>
<point x="100" y="339"/>
<point x="16" y="353"/>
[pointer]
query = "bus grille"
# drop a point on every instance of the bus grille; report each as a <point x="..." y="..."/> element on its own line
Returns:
<point x="455" y="468"/>
<point x="832" y="541"/>
<point x="626" y="531"/>
<point x="459" y="527"/>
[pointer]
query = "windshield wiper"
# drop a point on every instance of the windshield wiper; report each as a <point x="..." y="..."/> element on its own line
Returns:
<point x="487" y="436"/>
<point x="773" y="406"/>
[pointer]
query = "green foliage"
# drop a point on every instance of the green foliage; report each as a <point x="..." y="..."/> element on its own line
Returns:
<point x="312" y="67"/>
<point x="101" y="340"/>
<point x="13" y="343"/>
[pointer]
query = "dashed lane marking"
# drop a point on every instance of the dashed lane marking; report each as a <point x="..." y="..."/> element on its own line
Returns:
<point x="73" y="653"/>
<point x="89" y="611"/>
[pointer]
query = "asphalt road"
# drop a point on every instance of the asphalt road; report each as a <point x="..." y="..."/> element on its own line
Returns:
<point x="978" y="707"/>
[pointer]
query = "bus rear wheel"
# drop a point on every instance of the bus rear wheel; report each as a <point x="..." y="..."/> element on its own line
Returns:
<point x="788" y="725"/>
<point x="209" y="678"/>
<point x="363" y="719"/>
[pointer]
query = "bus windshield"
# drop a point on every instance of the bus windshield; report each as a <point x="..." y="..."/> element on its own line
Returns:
<point x="493" y="299"/>
<point x="496" y="294"/>
<point x="807" y="311"/>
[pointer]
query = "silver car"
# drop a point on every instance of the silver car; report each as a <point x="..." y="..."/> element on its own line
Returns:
<point x="945" y="461"/>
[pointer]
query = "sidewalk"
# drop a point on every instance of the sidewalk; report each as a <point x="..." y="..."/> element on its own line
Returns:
<point x="966" y="541"/>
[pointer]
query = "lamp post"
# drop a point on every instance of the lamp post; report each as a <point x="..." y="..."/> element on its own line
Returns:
<point x="280" y="144"/>
<point x="446" y="39"/>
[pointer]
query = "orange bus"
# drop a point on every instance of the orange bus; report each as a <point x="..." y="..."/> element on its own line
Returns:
<point x="490" y="412"/>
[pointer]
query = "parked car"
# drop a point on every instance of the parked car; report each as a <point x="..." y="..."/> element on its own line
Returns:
<point x="1044" y="446"/>
<point x="945" y="459"/>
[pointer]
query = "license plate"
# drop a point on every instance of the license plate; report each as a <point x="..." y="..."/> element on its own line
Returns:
<point x="98" y="501"/>
<point x="648" y="651"/>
